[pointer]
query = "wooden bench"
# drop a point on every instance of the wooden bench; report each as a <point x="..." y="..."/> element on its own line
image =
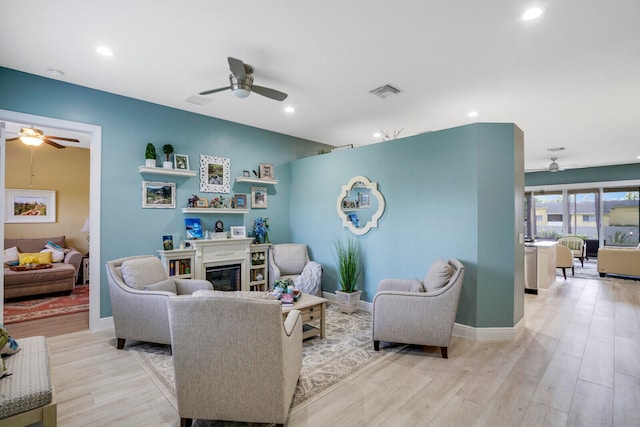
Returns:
<point x="26" y="396"/>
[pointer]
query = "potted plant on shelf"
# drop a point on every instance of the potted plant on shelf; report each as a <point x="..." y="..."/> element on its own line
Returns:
<point x="349" y="269"/>
<point x="150" y="155"/>
<point x="167" y="149"/>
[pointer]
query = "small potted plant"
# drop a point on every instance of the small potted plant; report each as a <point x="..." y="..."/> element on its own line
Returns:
<point x="167" y="149"/>
<point x="349" y="269"/>
<point x="150" y="155"/>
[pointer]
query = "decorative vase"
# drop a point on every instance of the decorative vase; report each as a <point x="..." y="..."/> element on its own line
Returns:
<point x="150" y="163"/>
<point x="348" y="301"/>
<point x="167" y="165"/>
<point x="260" y="238"/>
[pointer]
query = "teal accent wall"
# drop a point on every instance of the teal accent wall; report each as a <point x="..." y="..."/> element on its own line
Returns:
<point x="445" y="198"/>
<point x="127" y="125"/>
<point x="584" y="175"/>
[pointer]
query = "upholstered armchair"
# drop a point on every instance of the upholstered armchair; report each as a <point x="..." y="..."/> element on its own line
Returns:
<point x="291" y="261"/>
<point x="139" y="289"/>
<point x="234" y="357"/>
<point x="577" y="245"/>
<point x="564" y="260"/>
<point x="419" y="312"/>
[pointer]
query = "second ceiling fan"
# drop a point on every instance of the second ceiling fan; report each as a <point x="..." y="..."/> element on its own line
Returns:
<point x="35" y="137"/>
<point x="241" y="83"/>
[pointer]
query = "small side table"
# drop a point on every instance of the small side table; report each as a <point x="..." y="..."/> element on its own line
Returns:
<point x="85" y="270"/>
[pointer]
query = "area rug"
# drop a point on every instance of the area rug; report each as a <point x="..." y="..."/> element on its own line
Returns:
<point x="38" y="307"/>
<point x="589" y="271"/>
<point x="346" y="351"/>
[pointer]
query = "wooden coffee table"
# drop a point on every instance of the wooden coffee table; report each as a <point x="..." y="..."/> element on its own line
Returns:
<point x="312" y="309"/>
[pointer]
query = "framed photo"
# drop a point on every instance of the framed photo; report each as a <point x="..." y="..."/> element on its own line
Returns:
<point x="240" y="201"/>
<point x="246" y="173"/>
<point x="202" y="203"/>
<point x="364" y="200"/>
<point x="158" y="194"/>
<point x="266" y="170"/>
<point x="215" y="174"/>
<point x="238" y="232"/>
<point x="259" y="197"/>
<point x="30" y="206"/>
<point x="181" y="161"/>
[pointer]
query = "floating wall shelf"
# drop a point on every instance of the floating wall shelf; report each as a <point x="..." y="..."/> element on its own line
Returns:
<point x="256" y="180"/>
<point x="214" y="211"/>
<point x="167" y="171"/>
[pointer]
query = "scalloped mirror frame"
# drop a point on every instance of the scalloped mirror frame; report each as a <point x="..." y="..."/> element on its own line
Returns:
<point x="373" y="223"/>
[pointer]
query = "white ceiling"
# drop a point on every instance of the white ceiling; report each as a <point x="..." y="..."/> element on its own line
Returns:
<point x="569" y="79"/>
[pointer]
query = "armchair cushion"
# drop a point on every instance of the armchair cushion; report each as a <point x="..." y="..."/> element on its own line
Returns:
<point x="402" y="285"/>
<point x="167" y="285"/>
<point x="140" y="272"/>
<point x="438" y="275"/>
<point x="233" y="294"/>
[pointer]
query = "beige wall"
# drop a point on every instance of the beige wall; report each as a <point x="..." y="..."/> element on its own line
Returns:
<point x="64" y="170"/>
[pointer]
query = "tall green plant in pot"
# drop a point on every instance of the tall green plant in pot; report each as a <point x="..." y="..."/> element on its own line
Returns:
<point x="349" y="269"/>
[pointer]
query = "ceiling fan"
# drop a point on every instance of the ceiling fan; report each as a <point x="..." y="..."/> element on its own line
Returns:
<point x="554" y="166"/>
<point x="241" y="83"/>
<point x="35" y="137"/>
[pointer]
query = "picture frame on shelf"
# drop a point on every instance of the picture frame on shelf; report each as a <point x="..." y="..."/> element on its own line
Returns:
<point x="30" y="206"/>
<point x="215" y="174"/>
<point x="266" y="171"/>
<point x="238" y="232"/>
<point x="167" y="242"/>
<point x="240" y="201"/>
<point x="181" y="161"/>
<point x="246" y="173"/>
<point x="258" y="197"/>
<point x="202" y="203"/>
<point x="364" y="200"/>
<point x="158" y="195"/>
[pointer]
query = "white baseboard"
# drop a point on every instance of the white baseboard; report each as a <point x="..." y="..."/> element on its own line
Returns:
<point x="101" y="324"/>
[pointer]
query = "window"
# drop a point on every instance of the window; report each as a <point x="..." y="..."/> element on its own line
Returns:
<point x="621" y="216"/>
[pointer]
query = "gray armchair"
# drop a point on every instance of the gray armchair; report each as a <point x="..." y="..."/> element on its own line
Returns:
<point x="234" y="357"/>
<point x="291" y="261"/>
<point x="139" y="289"/>
<point x="419" y="312"/>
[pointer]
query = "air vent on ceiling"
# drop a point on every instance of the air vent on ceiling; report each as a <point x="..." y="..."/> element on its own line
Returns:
<point x="555" y="149"/>
<point x="384" y="91"/>
<point x="198" y="100"/>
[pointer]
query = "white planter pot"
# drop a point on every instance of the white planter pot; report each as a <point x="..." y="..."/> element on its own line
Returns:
<point x="167" y="165"/>
<point x="348" y="302"/>
<point x="150" y="163"/>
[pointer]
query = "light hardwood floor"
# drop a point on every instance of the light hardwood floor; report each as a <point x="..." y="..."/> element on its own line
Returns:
<point x="576" y="363"/>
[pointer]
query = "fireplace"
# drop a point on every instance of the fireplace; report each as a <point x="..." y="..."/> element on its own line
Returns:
<point x="225" y="277"/>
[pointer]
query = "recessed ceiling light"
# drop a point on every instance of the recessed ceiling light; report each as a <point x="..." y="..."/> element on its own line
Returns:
<point x="289" y="110"/>
<point x="377" y="135"/>
<point x="532" y="13"/>
<point x="103" y="50"/>
<point x="472" y="114"/>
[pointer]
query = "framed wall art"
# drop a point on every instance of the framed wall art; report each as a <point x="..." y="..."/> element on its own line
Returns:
<point x="258" y="197"/>
<point x="181" y="161"/>
<point x="215" y="174"/>
<point x="158" y="194"/>
<point x="364" y="200"/>
<point x="238" y="232"/>
<point x="240" y="201"/>
<point x="30" y="206"/>
<point x="266" y="170"/>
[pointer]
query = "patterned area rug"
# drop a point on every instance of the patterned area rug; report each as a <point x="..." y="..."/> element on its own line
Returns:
<point x="345" y="352"/>
<point x="38" y="307"/>
<point x="589" y="271"/>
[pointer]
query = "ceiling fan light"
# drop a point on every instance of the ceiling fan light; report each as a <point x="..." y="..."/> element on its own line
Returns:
<point x="241" y="92"/>
<point x="30" y="140"/>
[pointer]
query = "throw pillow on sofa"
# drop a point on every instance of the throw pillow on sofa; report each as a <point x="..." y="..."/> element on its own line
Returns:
<point x="11" y="256"/>
<point x="56" y="255"/>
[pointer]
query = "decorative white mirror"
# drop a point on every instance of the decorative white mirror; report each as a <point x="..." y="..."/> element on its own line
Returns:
<point x="360" y="205"/>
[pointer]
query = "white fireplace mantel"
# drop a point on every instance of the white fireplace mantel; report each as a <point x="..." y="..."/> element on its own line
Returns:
<point x="221" y="252"/>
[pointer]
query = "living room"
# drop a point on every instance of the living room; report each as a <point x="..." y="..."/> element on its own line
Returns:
<point x="474" y="219"/>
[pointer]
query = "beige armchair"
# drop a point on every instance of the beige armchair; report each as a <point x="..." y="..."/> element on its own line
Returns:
<point x="139" y="289"/>
<point x="419" y="312"/>
<point x="564" y="260"/>
<point x="291" y="261"/>
<point x="577" y="245"/>
<point x="234" y="358"/>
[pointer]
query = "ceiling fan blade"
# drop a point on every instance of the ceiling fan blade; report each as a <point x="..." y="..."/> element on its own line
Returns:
<point x="237" y="68"/>
<point x="269" y="93"/>
<point x="220" y="89"/>
<point x="62" y="139"/>
<point x="52" y="143"/>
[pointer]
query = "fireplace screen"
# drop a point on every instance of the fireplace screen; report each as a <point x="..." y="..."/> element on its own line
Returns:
<point x="224" y="277"/>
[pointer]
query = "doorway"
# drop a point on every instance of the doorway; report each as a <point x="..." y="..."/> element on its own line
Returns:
<point x="92" y="141"/>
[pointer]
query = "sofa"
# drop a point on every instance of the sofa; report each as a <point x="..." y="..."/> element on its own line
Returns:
<point x="619" y="260"/>
<point x="61" y="277"/>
